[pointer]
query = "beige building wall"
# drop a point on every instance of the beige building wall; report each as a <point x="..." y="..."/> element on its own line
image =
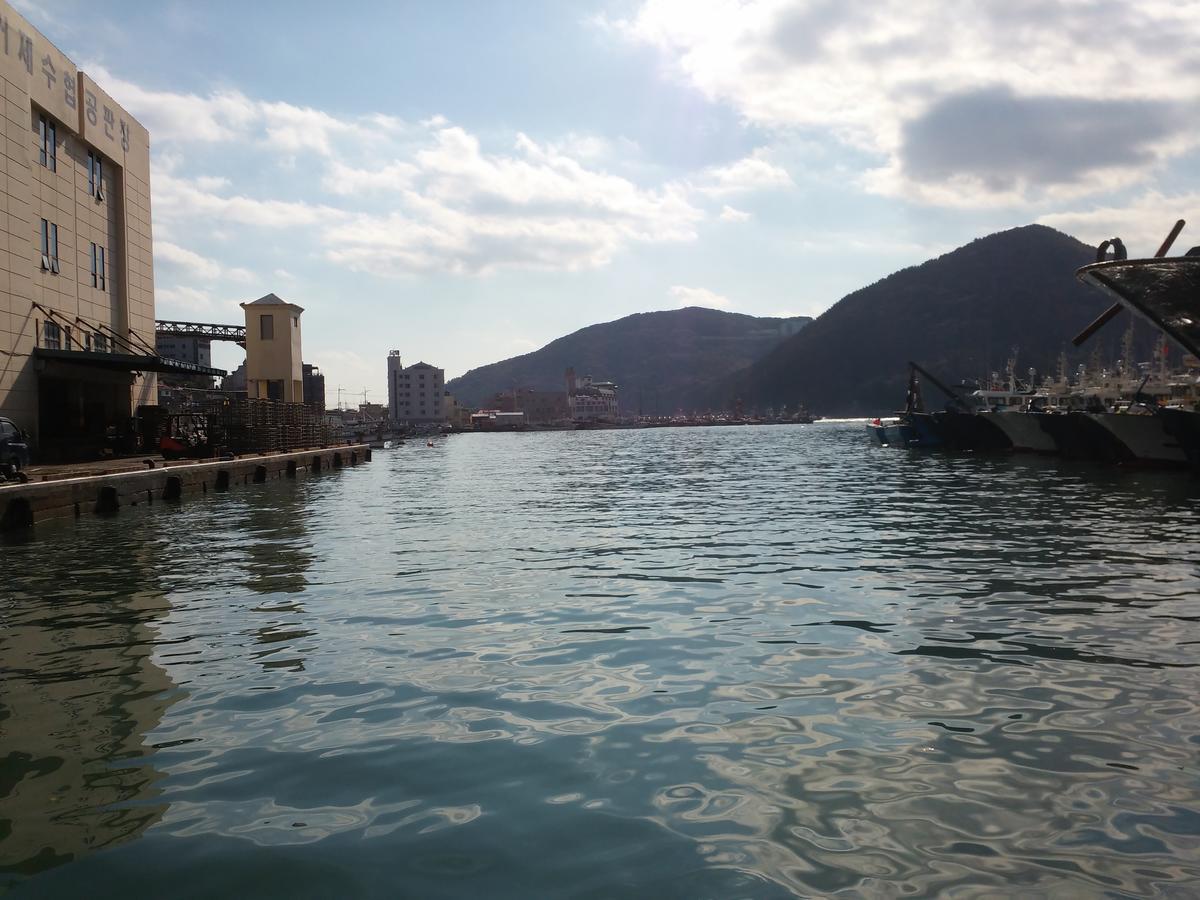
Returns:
<point x="36" y="80"/>
<point x="420" y="392"/>
<point x="277" y="358"/>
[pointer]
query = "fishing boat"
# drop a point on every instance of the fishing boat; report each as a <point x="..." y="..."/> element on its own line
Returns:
<point x="1145" y="433"/>
<point x="1165" y="291"/>
<point x="913" y="428"/>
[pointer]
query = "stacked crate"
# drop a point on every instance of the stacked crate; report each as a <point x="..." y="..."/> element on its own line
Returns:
<point x="253" y="426"/>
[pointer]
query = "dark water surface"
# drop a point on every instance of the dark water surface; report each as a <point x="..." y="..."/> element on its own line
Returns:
<point x="743" y="662"/>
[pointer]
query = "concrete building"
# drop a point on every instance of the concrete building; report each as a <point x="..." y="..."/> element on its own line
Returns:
<point x="274" y="369"/>
<point x="76" y="274"/>
<point x="416" y="394"/>
<point x="235" y="380"/>
<point x="591" y="401"/>
<point x="314" y="386"/>
<point x="196" y="350"/>
<point x="539" y="407"/>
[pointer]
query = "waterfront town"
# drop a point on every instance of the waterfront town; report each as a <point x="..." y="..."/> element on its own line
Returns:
<point x="90" y="372"/>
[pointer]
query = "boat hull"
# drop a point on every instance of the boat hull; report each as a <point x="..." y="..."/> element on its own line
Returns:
<point x="968" y="432"/>
<point x="1184" y="426"/>
<point x="1078" y="436"/>
<point x="1023" y="430"/>
<point x="1145" y="435"/>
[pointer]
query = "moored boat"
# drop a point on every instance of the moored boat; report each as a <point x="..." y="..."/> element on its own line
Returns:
<point x="1166" y="292"/>
<point x="1145" y="434"/>
<point x="1023" y="429"/>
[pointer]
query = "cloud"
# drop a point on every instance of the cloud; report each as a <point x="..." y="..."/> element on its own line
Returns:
<point x="196" y="265"/>
<point x="695" y="296"/>
<point x="178" y="199"/>
<point x="188" y="299"/>
<point x="752" y="173"/>
<point x="463" y="210"/>
<point x="922" y="85"/>
<point x="995" y="142"/>
<point x="729" y="214"/>
<point x="225" y="116"/>
<point x="1142" y="223"/>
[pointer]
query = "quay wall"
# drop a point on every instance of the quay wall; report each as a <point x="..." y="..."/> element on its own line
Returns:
<point x="23" y="506"/>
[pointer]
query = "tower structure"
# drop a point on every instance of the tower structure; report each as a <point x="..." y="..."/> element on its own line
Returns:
<point x="274" y="367"/>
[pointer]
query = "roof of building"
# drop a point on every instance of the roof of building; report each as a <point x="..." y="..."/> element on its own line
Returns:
<point x="271" y="300"/>
<point x="420" y="365"/>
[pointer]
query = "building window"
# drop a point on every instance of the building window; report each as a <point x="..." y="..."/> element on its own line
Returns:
<point x="51" y="336"/>
<point x="49" y="246"/>
<point x="95" y="175"/>
<point x="99" y="275"/>
<point x="266" y="327"/>
<point x="48" y="143"/>
<point x="99" y="343"/>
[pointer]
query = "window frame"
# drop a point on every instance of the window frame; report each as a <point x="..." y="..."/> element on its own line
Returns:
<point x="96" y="174"/>
<point x="103" y="269"/>
<point x="266" y="327"/>
<point x="51" y="335"/>
<point x="95" y="274"/>
<point x="48" y="137"/>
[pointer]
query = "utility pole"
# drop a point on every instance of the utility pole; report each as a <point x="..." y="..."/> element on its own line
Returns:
<point x="339" y="397"/>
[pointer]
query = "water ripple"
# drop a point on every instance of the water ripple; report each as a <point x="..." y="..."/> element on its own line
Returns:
<point x="684" y="663"/>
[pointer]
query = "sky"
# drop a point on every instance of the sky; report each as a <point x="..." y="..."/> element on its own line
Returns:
<point x="466" y="181"/>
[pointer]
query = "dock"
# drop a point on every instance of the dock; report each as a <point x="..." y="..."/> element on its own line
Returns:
<point x="102" y="489"/>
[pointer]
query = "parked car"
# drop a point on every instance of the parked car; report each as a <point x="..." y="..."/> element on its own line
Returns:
<point x="14" y="449"/>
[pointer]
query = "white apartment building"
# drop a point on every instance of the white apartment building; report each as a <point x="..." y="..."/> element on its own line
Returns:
<point x="416" y="393"/>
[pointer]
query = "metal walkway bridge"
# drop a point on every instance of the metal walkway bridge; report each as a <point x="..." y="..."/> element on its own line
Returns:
<point x="234" y="333"/>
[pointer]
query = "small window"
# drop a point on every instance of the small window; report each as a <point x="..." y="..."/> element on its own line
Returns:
<point x="102" y="271"/>
<point x="49" y="236"/>
<point x="51" y="336"/>
<point x="45" y="246"/>
<point x="95" y="271"/>
<point x="100" y="343"/>
<point x="266" y="327"/>
<point x="47" y="143"/>
<point x="95" y="175"/>
<point x="295" y="321"/>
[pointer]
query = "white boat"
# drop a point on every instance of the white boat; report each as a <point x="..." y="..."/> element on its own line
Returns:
<point x="1142" y="431"/>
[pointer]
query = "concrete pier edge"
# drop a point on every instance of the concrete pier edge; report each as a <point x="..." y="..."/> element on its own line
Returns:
<point x="23" y="506"/>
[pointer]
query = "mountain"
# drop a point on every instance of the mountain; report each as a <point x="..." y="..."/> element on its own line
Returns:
<point x="959" y="316"/>
<point x="660" y="360"/>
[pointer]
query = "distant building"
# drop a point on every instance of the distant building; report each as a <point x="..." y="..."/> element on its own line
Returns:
<point x="456" y="414"/>
<point x="235" y="380"/>
<point x="372" y="412"/>
<point x="591" y="401"/>
<point x="497" y="420"/>
<point x="188" y="349"/>
<point x="416" y="393"/>
<point x="314" y="386"/>
<point x="195" y="350"/>
<point x="539" y="407"/>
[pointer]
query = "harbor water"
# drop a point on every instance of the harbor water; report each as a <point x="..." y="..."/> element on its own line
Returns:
<point x="696" y="662"/>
